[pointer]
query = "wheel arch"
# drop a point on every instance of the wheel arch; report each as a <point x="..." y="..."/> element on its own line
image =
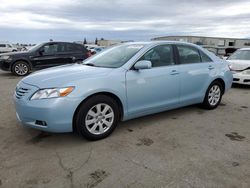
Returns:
<point x="24" y="60"/>
<point x="110" y="94"/>
<point x="222" y="82"/>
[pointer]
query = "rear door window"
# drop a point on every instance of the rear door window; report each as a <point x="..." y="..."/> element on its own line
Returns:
<point x="2" y="45"/>
<point x="188" y="54"/>
<point x="75" y="48"/>
<point x="204" y="57"/>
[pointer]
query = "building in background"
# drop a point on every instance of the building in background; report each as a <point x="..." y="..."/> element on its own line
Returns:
<point x="105" y="43"/>
<point x="217" y="45"/>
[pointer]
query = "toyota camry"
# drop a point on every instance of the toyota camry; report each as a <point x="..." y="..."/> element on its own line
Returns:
<point x="121" y="83"/>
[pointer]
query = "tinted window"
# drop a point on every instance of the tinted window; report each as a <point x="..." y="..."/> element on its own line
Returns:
<point x="160" y="56"/>
<point x="50" y="49"/>
<point x="79" y="48"/>
<point x="188" y="54"/>
<point x="75" y="48"/>
<point x="2" y="45"/>
<point x="204" y="57"/>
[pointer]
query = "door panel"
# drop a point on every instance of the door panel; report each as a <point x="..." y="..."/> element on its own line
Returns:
<point x="44" y="61"/>
<point x="46" y="56"/>
<point x="153" y="90"/>
<point x="193" y="82"/>
<point x="194" y="74"/>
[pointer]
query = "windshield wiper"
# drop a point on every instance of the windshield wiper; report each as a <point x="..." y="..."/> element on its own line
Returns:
<point x="90" y="64"/>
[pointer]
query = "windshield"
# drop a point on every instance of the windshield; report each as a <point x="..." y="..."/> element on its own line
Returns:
<point x="36" y="47"/>
<point x="114" y="57"/>
<point x="240" y="55"/>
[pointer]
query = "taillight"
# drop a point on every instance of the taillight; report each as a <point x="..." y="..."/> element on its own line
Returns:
<point x="89" y="54"/>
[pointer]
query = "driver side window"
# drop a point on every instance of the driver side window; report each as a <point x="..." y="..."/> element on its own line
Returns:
<point x="160" y="56"/>
<point x="50" y="49"/>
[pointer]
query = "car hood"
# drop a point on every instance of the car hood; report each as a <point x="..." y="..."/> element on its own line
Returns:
<point x="14" y="53"/>
<point x="63" y="75"/>
<point x="239" y="64"/>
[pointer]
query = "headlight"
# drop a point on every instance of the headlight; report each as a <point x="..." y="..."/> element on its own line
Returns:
<point x="52" y="93"/>
<point x="246" y="72"/>
<point x="5" y="57"/>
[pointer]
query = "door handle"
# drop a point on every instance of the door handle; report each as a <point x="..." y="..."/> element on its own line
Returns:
<point x="174" y="72"/>
<point x="210" y="67"/>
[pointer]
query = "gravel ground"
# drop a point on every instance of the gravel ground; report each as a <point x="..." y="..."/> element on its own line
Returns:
<point x="187" y="147"/>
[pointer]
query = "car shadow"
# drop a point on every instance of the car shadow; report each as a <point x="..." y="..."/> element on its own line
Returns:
<point x="241" y="86"/>
<point x="9" y="75"/>
<point x="159" y="117"/>
<point x="62" y="139"/>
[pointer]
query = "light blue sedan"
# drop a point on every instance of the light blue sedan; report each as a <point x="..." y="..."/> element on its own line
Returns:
<point x="123" y="82"/>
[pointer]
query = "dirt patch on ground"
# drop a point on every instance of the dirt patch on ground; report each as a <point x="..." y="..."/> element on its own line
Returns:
<point x="145" y="142"/>
<point x="235" y="136"/>
<point x="97" y="177"/>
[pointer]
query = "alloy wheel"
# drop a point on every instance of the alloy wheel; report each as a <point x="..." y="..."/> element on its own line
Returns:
<point x="214" y="95"/>
<point x="21" y="69"/>
<point x="99" y="119"/>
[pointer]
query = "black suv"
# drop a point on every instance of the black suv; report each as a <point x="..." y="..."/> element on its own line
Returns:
<point x="43" y="56"/>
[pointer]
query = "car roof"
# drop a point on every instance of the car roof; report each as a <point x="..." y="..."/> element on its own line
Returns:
<point x="52" y="42"/>
<point x="161" y="42"/>
<point x="244" y="49"/>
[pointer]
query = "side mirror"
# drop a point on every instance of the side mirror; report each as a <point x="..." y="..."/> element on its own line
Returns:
<point x="41" y="51"/>
<point x="143" y="64"/>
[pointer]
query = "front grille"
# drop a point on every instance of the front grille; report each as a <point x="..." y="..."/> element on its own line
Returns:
<point x="236" y="79"/>
<point x="21" y="92"/>
<point x="246" y="80"/>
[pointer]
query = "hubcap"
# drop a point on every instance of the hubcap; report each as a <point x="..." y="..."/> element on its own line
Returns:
<point x="99" y="119"/>
<point x="21" y="69"/>
<point x="214" y="95"/>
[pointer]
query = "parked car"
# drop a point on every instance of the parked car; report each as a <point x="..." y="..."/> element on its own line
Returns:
<point x="41" y="56"/>
<point x="240" y="66"/>
<point x="6" y="47"/>
<point x="123" y="82"/>
<point x="100" y="48"/>
<point x="90" y="46"/>
<point x="96" y="50"/>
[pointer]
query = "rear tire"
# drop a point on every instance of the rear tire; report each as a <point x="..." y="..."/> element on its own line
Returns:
<point x="213" y="96"/>
<point x="97" y="117"/>
<point x="20" y="68"/>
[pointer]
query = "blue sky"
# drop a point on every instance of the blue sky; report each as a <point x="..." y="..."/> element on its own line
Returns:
<point x="34" y="21"/>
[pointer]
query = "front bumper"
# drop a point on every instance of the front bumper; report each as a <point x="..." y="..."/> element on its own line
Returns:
<point x="4" y="65"/>
<point x="51" y="115"/>
<point x="239" y="78"/>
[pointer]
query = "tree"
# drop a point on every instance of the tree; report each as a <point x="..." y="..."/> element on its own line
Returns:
<point x="85" y="41"/>
<point x="96" y="41"/>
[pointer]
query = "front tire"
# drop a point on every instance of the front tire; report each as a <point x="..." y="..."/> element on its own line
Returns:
<point x="97" y="117"/>
<point x="213" y="96"/>
<point x="20" y="68"/>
